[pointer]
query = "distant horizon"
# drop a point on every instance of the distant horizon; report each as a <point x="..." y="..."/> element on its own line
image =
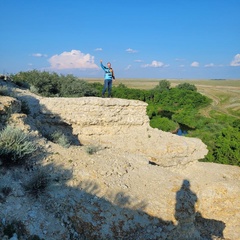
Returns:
<point x="136" y="78"/>
<point x="197" y="79"/>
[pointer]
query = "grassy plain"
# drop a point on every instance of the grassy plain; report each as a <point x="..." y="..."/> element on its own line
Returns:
<point x="224" y="93"/>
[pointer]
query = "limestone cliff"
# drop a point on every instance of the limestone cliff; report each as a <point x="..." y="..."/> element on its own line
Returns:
<point x="118" y="192"/>
<point x="122" y="124"/>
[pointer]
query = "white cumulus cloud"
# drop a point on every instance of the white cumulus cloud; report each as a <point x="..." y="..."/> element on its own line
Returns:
<point x="236" y="61"/>
<point x="209" y="65"/>
<point x="195" y="64"/>
<point x="128" y="67"/>
<point x="155" y="64"/>
<point x="73" y="59"/>
<point x="130" y="50"/>
<point x="39" y="55"/>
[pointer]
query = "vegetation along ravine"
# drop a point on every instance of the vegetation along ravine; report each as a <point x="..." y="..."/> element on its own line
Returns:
<point x="169" y="107"/>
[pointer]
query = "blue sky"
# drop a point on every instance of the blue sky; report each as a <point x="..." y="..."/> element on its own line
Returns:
<point x="163" y="39"/>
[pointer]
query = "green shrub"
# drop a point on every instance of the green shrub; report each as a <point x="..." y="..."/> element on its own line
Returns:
<point x="59" y="138"/>
<point x="187" y="86"/>
<point x="35" y="237"/>
<point x="34" y="89"/>
<point x="236" y="124"/>
<point x="51" y="84"/>
<point x="25" y="108"/>
<point x="151" y="110"/>
<point x="163" y="85"/>
<point x="37" y="184"/>
<point x="92" y="149"/>
<point x="227" y="147"/>
<point x="6" y="190"/>
<point x="16" y="227"/>
<point x="4" y="91"/>
<point x="15" y="146"/>
<point x="163" y="124"/>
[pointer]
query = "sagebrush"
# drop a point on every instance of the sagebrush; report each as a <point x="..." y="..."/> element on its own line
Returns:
<point x="15" y="146"/>
<point x="60" y="138"/>
<point x="37" y="184"/>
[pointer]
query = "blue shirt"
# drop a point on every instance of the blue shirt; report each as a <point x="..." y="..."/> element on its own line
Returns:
<point x="109" y="75"/>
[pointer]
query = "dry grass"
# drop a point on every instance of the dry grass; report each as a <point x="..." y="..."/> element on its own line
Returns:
<point x="225" y="96"/>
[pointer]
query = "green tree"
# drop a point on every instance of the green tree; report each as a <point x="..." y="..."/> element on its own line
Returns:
<point x="163" y="124"/>
<point x="52" y="84"/>
<point x="47" y="84"/>
<point x="227" y="150"/>
<point x="187" y="86"/>
<point x="151" y="111"/>
<point x="236" y="124"/>
<point x="188" y="117"/>
<point x="73" y="87"/>
<point x="122" y="91"/>
<point x="162" y="86"/>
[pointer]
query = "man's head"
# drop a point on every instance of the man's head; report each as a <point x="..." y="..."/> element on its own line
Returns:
<point x="109" y="64"/>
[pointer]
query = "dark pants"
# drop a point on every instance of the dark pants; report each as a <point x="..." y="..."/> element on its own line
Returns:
<point x="107" y="85"/>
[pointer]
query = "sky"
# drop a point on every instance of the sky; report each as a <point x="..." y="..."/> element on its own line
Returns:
<point x="160" y="39"/>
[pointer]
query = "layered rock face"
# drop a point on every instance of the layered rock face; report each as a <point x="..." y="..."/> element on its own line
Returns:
<point x="8" y="105"/>
<point x="142" y="183"/>
<point x="122" y="127"/>
<point x="123" y="124"/>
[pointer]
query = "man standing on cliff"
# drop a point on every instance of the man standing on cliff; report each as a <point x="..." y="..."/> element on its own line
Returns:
<point x="108" y="77"/>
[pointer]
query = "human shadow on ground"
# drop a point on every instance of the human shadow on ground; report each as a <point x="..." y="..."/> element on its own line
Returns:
<point x="87" y="214"/>
<point x="83" y="212"/>
<point x="191" y="224"/>
<point x="185" y="212"/>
